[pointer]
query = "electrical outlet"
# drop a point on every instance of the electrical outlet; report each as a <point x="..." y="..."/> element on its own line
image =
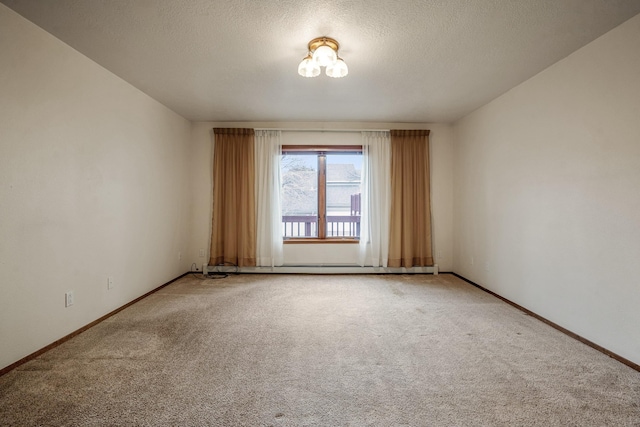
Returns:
<point x="201" y="253"/>
<point x="68" y="299"/>
<point x="109" y="282"/>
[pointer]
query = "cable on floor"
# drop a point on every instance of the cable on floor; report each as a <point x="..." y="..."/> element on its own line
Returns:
<point x="220" y="271"/>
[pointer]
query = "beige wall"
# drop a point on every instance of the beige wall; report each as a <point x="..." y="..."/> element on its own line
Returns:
<point x="94" y="183"/>
<point x="547" y="193"/>
<point x="441" y="173"/>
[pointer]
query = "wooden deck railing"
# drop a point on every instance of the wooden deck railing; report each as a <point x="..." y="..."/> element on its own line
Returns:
<point x="307" y="226"/>
<point x="300" y="225"/>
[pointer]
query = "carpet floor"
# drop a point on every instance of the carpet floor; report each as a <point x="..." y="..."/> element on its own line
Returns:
<point x="290" y="350"/>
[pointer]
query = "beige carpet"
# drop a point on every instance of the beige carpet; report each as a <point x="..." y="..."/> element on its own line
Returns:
<point x="286" y="350"/>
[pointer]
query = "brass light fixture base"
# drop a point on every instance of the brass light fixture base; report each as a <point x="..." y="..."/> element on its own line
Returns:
<point x="320" y="41"/>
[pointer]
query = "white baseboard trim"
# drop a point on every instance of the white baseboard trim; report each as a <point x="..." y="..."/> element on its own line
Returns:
<point x="320" y="269"/>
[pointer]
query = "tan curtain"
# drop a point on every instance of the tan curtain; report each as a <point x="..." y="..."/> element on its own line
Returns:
<point x="233" y="235"/>
<point x="410" y="220"/>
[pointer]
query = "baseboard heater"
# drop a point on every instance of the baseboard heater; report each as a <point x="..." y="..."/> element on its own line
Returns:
<point x="318" y="269"/>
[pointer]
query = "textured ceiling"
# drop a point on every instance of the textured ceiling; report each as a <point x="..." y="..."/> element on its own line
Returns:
<point x="409" y="60"/>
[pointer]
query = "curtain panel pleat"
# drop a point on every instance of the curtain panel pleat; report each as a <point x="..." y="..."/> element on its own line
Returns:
<point x="374" y="231"/>
<point x="233" y="240"/>
<point x="410" y="217"/>
<point x="269" y="247"/>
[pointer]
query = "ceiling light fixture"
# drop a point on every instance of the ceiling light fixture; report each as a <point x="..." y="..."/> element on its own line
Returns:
<point x="323" y="52"/>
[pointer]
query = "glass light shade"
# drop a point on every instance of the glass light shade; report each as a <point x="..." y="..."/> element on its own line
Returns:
<point x="339" y="69"/>
<point x="308" y="68"/>
<point x="325" y="56"/>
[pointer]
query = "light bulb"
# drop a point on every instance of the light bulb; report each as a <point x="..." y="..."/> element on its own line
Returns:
<point x="339" y="69"/>
<point x="325" y="56"/>
<point x="308" y="67"/>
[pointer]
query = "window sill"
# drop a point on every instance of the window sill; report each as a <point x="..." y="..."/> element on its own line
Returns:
<point x="313" y="241"/>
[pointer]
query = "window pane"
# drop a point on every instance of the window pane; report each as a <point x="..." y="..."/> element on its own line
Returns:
<point x="299" y="195"/>
<point x="343" y="194"/>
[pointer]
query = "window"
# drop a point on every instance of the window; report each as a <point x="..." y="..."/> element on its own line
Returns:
<point x="321" y="189"/>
